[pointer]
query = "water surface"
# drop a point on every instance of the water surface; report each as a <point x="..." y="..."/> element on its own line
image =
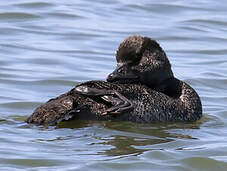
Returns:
<point x="47" y="47"/>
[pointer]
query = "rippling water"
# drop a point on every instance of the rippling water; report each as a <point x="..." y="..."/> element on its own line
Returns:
<point x="47" y="47"/>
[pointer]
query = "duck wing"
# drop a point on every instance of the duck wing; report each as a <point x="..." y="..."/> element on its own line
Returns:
<point x="89" y="100"/>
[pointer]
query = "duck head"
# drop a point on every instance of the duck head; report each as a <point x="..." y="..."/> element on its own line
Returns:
<point x="141" y="60"/>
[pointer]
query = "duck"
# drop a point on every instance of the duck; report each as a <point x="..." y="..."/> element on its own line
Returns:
<point x="142" y="89"/>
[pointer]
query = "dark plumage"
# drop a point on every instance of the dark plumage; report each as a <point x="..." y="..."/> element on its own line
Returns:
<point x="142" y="60"/>
<point x="141" y="89"/>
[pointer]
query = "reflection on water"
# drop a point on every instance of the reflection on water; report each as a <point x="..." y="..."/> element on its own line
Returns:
<point x="130" y="138"/>
<point x="48" y="47"/>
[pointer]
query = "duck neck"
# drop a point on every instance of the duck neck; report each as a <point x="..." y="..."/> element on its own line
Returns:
<point x="170" y="87"/>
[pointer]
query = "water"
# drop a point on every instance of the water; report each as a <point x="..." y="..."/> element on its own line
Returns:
<point x="47" y="47"/>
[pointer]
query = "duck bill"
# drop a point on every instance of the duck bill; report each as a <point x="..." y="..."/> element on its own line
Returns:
<point x="123" y="74"/>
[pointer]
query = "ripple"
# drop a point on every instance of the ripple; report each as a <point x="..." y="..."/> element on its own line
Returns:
<point x="48" y="47"/>
<point x="207" y="22"/>
<point x="20" y="105"/>
<point x="35" y="5"/>
<point x="201" y="163"/>
<point x="32" y="162"/>
<point x="18" y="16"/>
<point x="64" y="15"/>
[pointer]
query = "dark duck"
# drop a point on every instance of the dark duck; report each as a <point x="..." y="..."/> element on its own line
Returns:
<point x="142" y="89"/>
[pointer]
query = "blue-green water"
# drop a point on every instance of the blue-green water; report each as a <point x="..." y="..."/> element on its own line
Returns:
<point x="47" y="47"/>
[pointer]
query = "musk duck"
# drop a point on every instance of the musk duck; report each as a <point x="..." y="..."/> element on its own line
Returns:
<point x="141" y="89"/>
